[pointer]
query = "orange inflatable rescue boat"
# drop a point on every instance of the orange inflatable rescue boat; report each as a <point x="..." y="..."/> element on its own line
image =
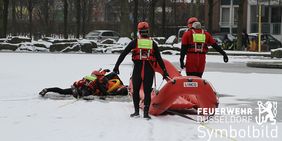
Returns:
<point x="180" y="92"/>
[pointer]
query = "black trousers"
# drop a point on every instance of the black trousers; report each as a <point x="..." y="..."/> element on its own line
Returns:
<point x="147" y="82"/>
<point x="67" y="91"/>
<point x="70" y="91"/>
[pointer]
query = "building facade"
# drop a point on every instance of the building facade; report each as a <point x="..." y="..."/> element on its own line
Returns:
<point x="225" y="16"/>
<point x="271" y="13"/>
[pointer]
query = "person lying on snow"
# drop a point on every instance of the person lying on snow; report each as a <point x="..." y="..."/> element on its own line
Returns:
<point x="95" y="84"/>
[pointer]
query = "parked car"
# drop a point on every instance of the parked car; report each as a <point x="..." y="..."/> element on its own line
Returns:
<point x="180" y="33"/>
<point x="268" y="42"/>
<point x="100" y="35"/>
<point x="225" y="40"/>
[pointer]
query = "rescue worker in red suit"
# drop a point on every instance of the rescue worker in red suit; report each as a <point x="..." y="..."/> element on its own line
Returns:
<point x="195" y="42"/>
<point x="145" y="53"/>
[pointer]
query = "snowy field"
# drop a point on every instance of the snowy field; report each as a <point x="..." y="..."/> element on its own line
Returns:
<point x="24" y="116"/>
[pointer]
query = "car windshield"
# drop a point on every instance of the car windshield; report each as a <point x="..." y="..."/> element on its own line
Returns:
<point x="271" y="39"/>
<point x="221" y="37"/>
<point x="107" y="34"/>
<point x="181" y="32"/>
<point x="94" y="34"/>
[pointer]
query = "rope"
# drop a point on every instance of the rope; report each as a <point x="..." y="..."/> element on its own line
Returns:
<point x="157" y="90"/>
<point x="68" y="103"/>
<point x="201" y="122"/>
<point x="19" y="99"/>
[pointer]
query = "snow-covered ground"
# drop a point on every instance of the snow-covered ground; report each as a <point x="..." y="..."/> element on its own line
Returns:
<point x="26" y="116"/>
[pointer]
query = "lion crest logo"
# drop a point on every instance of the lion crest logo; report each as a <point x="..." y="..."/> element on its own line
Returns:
<point x="266" y="112"/>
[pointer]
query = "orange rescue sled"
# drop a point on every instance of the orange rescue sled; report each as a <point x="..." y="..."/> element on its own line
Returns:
<point x="180" y="92"/>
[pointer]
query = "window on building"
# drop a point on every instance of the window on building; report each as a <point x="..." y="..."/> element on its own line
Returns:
<point x="276" y="15"/>
<point x="253" y="16"/>
<point x="225" y="2"/>
<point x="228" y="2"/>
<point x="229" y="16"/>
<point x="264" y="14"/>
<point x="235" y="12"/>
<point x="236" y="2"/>
<point x="225" y="16"/>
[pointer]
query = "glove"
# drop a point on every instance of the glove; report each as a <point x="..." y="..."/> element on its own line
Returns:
<point x="165" y="75"/>
<point x="106" y="70"/>
<point x="225" y="58"/>
<point x="182" y="66"/>
<point x="116" y="70"/>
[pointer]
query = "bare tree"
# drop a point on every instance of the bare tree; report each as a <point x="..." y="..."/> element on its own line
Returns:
<point x="46" y="17"/>
<point x="210" y="15"/>
<point x="191" y="8"/>
<point x="84" y="11"/>
<point x="30" y="9"/>
<point x="197" y="9"/>
<point x="90" y="11"/>
<point x="125" y="22"/>
<point x="78" y="20"/>
<point x="135" y="18"/>
<point x="5" y="18"/>
<point x="21" y="2"/>
<point x="66" y="19"/>
<point x="240" y="24"/>
<point x="152" y="16"/>
<point x="163" y="16"/>
<point x="174" y="12"/>
<point x="14" y="29"/>
<point x="1" y="18"/>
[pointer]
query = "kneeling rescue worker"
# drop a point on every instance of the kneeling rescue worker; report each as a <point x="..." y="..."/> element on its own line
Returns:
<point x="195" y="42"/>
<point x="145" y="53"/>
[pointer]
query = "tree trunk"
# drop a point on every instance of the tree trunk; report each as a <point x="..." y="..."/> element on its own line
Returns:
<point x="135" y="18"/>
<point x="14" y="26"/>
<point x="78" y="11"/>
<point x="152" y="17"/>
<point x="210" y="16"/>
<point x="5" y="18"/>
<point x="144" y="7"/>
<point x="191" y="10"/>
<point x="174" y="13"/>
<point x="1" y="19"/>
<point x="163" y="17"/>
<point x="65" y="19"/>
<point x="240" y="24"/>
<point x="46" y="17"/>
<point x="125" y="22"/>
<point x="21" y="9"/>
<point x="30" y="8"/>
<point x="83" y="17"/>
<point x="90" y="11"/>
<point x="197" y="9"/>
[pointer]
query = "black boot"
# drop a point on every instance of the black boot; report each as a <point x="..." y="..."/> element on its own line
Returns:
<point x="135" y="114"/>
<point x="43" y="92"/>
<point x="146" y="113"/>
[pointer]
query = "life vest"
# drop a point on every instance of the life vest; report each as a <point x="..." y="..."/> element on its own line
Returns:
<point x="199" y="40"/>
<point x="90" y="81"/>
<point x="143" y="50"/>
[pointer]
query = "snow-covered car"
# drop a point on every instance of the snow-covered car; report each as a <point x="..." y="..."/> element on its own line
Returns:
<point x="225" y="40"/>
<point x="100" y="35"/>
<point x="180" y="33"/>
<point x="28" y="46"/>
